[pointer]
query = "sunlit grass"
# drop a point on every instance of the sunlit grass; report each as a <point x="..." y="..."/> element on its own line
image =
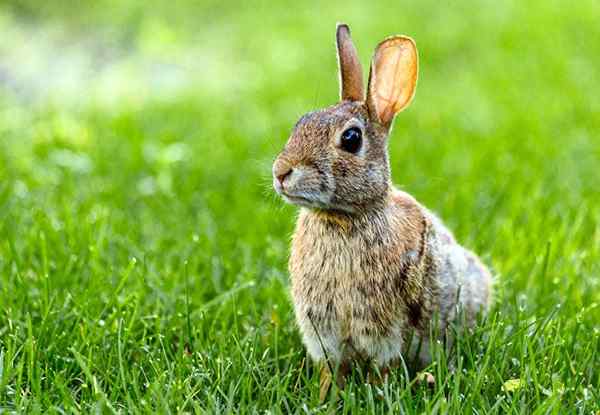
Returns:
<point x="143" y="254"/>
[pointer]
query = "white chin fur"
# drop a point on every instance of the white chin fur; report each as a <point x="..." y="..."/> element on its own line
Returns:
<point x="317" y="202"/>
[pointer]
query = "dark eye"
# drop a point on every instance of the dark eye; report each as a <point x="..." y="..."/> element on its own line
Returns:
<point x="351" y="140"/>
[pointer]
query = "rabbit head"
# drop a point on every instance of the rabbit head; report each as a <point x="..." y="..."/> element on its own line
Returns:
<point x="336" y="158"/>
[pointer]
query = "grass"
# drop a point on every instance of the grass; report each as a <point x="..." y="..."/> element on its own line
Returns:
<point x="143" y="253"/>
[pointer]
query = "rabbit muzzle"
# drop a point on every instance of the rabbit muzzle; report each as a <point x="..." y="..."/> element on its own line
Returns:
<point x="301" y="184"/>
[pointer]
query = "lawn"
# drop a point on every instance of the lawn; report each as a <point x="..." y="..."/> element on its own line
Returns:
<point x="143" y="253"/>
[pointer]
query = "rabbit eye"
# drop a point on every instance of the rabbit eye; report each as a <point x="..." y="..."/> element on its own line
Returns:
<point x="351" y="140"/>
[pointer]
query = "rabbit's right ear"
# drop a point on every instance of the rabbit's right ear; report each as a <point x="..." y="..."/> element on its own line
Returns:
<point x="351" y="78"/>
<point x="393" y="78"/>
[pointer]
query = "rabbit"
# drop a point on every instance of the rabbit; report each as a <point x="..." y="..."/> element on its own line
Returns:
<point x="370" y="267"/>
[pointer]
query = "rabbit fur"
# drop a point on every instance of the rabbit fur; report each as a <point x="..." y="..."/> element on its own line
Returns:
<point x="370" y="267"/>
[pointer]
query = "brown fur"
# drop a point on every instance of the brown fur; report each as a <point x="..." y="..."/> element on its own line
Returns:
<point x="385" y="262"/>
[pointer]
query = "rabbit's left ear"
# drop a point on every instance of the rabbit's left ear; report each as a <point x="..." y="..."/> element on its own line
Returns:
<point x="393" y="78"/>
<point x="351" y="78"/>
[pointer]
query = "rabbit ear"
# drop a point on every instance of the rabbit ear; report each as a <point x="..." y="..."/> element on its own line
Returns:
<point x="393" y="78"/>
<point x="351" y="79"/>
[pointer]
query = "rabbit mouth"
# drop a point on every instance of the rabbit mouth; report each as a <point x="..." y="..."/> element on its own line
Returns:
<point x="305" y="200"/>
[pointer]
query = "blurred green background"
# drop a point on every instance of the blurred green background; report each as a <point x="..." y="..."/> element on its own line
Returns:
<point x="142" y="250"/>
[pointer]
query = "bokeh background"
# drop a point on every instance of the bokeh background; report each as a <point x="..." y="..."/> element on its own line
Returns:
<point x="143" y="252"/>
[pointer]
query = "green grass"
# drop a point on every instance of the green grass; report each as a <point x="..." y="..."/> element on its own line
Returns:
<point x="143" y="253"/>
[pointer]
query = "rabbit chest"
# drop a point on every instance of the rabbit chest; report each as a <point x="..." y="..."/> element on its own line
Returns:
<point x="358" y="287"/>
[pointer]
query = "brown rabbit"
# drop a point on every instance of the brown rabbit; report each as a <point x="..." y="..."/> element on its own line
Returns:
<point x="370" y="266"/>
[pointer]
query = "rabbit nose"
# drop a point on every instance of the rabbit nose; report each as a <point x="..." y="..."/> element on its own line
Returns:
<point x="282" y="169"/>
<point x="282" y="175"/>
